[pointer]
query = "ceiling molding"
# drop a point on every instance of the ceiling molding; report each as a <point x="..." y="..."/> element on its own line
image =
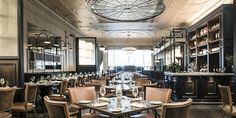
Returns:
<point x="54" y="14"/>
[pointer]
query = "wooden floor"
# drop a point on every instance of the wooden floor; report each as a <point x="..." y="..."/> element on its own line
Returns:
<point x="206" y="111"/>
<point x="196" y="111"/>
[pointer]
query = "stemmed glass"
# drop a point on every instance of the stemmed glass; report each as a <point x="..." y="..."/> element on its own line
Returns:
<point x="2" y="81"/>
<point x="33" y="79"/>
<point x="135" y="91"/>
<point x="102" y="90"/>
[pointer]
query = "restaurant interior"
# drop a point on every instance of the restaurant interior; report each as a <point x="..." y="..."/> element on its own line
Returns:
<point x="117" y="58"/>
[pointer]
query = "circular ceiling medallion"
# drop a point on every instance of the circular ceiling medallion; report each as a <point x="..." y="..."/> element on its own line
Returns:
<point x="127" y="10"/>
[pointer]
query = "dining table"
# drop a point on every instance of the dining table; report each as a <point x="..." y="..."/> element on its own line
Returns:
<point x="45" y="88"/>
<point x="119" y="107"/>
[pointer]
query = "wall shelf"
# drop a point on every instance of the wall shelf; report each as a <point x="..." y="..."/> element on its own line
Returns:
<point x="213" y="40"/>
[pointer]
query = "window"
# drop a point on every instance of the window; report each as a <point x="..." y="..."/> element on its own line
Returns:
<point x="138" y="58"/>
<point x="86" y="52"/>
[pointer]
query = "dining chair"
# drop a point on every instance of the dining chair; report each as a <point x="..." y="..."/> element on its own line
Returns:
<point x="155" y="94"/>
<point x="158" y="94"/>
<point x="61" y="109"/>
<point x="72" y="82"/>
<point x="5" y="115"/>
<point x="63" y="89"/>
<point x="176" y="110"/>
<point x="141" y="82"/>
<point x="29" y="100"/>
<point x="79" y="81"/>
<point x="6" y="101"/>
<point x="83" y="80"/>
<point x="83" y="93"/>
<point x="56" y="109"/>
<point x="226" y="98"/>
<point x="96" y="85"/>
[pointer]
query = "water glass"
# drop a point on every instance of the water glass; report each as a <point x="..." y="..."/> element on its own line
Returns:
<point x="102" y="90"/>
<point x="135" y="91"/>
<point x="33" y="79"/>
<point x="7" y="84"/>
<point x="96" y="100"/>
<point x="2" y="81"/>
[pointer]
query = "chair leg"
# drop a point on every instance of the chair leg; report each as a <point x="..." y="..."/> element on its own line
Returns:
<point x="18" y="114"/>
<point x="26" y="114"/>
<point x="34" y="113"/>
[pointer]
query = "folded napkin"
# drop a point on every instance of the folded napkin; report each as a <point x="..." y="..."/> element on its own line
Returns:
<point x="155" y="102"/>
<point x="136" y="99"/>
<point x="139" y="105"/>
<point x="104" y="99"/>
<point x="100" y="104"/>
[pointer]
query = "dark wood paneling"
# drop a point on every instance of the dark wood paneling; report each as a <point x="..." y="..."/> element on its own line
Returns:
<point x="9" y="71"/>
<point x="209" y="86"/>
<point x="189" y="87"/>
<point x="201" y="89"/>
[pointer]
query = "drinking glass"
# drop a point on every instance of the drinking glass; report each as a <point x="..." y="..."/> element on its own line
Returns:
<point x="119" y="92"/>
<point x="48" y="77"/>
<point x="33" y="79"/>
<point x="102" y="90"/>
<point x="41" y="78"/>
<point x="135" y="91"/>
<point x="7" y="84"/>
<point x="2" y="81"/>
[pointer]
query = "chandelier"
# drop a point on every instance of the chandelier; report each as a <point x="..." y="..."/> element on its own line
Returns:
<point x="129" y="49"/>
<point x="126" y="10"/>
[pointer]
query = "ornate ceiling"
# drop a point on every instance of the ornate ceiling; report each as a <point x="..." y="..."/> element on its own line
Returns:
<point x="178" y="13"/>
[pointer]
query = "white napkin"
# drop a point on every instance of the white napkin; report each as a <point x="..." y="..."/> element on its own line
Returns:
<point x="100" y="104"/>
<point x="155" y="102"/>
<point x="104" y="99"/>
<point x="136" y="104"/>
<point x="136" y="99"/>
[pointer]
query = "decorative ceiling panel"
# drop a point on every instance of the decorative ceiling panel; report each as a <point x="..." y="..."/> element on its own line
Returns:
<point x="178" y="13"/>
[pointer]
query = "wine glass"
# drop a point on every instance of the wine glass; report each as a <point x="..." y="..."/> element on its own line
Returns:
<point x="2" y="81"/>
<point x="135" y="91"/>
<point x="33" y="79"/>
<point x="102" y="90"/>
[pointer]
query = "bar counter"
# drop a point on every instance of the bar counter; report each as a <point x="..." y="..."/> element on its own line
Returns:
<point x="201" y="86"/>
<point x="198" y="74"/>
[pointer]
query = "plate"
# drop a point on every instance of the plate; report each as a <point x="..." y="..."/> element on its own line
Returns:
<point x="84" y="101"/>
<point x="155" y="102"/>
<point x="116" y="110"/>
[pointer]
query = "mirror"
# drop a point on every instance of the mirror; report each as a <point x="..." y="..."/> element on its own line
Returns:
<point x="44" y="51"/>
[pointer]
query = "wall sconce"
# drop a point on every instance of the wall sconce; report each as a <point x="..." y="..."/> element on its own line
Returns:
<point x="64" y="43"/>
<point x="37" y="41"/>
<point x="47" y="39"/>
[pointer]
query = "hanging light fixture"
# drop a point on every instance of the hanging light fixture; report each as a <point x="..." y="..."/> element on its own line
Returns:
<point x="126" y="10"/>
<point x="129" y="49"/>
